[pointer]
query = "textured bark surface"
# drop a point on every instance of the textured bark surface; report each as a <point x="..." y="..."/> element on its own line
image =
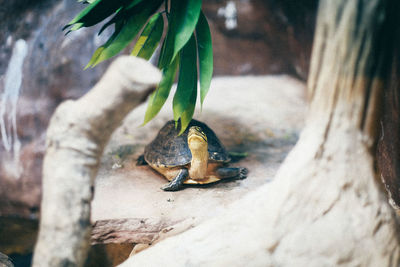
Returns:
<point x="76" y="137"/>
<point x="389" y="142"/>
<point x="143" y="231"/>
<point x="324" y="207"/>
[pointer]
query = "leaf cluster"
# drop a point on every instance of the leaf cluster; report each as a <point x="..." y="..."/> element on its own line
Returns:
<point x="186" y="48"/>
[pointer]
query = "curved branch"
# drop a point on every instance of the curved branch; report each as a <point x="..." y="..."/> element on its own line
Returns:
<point x="76" y="137"/>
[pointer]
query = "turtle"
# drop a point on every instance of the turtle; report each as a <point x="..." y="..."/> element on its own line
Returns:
<point x="196" y="156"/>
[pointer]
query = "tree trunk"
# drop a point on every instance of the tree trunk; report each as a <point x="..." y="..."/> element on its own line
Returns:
<point x="76" y="136"/>
<point x="325" y="206"/>
<point x="389" y="142"/>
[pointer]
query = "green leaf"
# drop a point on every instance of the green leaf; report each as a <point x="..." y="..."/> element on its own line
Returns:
<point x="133" y="3"/>
<point x="95" y="56"/>
<point x="204" y="48"/>
<point x="237" y="156"/>
<point x="150" y="37"/>
<point x="162" y="52"/>
<point x="95" y="12"/>
<point x="97" y="53"/>
<point x="187" y="78"/>
<point x="160" y="95"/>
<point x="121" y="14"/>
<point x="118" y="17"/>
<point x="120" y="39"/>
<point x="187" y="115"/>
<point x="182" y="22"/>
<point x="76" y="26"/>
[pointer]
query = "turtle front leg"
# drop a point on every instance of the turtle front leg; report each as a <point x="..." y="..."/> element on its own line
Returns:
<point x="141" y="161"/>
<point x="228" y="172"/>
<point x="177" y="182"/>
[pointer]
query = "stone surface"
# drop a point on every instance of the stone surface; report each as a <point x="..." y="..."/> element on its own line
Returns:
<point x="263" y="122"/>
<point x="270" y="36"/>
<point x="18" y="236"/>
<point x="51" y="73"/>
<point x="108" y="255"/>
<point x="17" y="239"/>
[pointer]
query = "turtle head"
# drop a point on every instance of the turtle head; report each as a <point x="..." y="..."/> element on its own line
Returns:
<point x="198" y="145"/>
<point x="197" y="139"/>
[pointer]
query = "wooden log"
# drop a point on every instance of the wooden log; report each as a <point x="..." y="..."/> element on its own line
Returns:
<point x="133" y="230"/>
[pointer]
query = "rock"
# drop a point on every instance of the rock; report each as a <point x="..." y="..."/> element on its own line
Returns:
<point x="269" y="36"/>
<point x="108" y="255"/>
<point x="17" y="235"/>
<point x="51" y="72"/>
<point x="17" y="239"/>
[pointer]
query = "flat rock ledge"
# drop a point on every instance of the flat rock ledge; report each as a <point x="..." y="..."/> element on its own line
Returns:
<point x="260" y="116"/>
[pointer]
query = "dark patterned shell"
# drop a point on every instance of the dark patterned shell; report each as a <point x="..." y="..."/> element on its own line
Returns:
<point x="170" y="150"/>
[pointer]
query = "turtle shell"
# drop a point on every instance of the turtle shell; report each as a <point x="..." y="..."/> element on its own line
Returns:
<point x="170" y="150"/>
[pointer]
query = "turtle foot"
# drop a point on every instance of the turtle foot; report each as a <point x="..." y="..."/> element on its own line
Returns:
<point x="242" y="173"/>
<point x="177" y="183"/>
<point x="171" y="187"/>
<point x="141" y="161"/>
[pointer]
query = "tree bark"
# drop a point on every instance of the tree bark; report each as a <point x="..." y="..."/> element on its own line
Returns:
<point x="389" y="142"/>
<point x="76" y="136"/>
<point x="325" y="206"/>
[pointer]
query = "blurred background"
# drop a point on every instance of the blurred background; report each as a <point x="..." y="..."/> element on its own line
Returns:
<point x="40" y="68"/>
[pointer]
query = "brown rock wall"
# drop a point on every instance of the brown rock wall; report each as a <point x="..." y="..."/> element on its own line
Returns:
<point x="52" y="72"/>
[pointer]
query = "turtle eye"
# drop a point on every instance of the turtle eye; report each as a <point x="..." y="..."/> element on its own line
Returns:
<point x="203" y="135"/>
<point x="195" y="129"/>
<point x="198" y="132"/>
